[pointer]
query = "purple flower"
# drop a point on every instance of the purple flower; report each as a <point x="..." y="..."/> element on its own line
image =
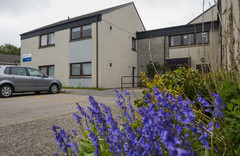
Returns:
<point x="148" y="96"/>
<point x="74" y="132"/>
<point x="78" y="118"/>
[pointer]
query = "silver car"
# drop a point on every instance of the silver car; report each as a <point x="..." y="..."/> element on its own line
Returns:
<point x="26" y="79"/>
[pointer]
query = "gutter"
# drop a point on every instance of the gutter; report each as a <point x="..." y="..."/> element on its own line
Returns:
<point x="97" y="52"/>
<point x="164" y="52"/>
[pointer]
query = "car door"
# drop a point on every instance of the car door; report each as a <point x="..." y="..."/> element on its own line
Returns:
<point x="38" y="80"/>
<point x="19" y="78"/>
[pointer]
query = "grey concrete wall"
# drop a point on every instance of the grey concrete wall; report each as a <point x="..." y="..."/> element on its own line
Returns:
<point x="80" y="51"/>
<point x="153" y="47"/>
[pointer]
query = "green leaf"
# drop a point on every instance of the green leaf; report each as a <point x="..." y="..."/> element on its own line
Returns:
<point x="236" y="101"/>
<point x="206" y="152"/>
<point x="230" y="106"/>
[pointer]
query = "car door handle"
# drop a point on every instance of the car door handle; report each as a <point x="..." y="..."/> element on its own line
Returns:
<point x="12" y="77"/>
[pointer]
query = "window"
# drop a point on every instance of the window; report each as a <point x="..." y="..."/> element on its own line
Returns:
<point x="48" y="70"/>
<point x="35" y="72"/>
<point x="134" y="46"/>
<point x="47" y="40"/>
<point x="202" y="38"/>
<point x="189" y="39"/>
<point x="76" y="33"/>
<point x="175" y="40"/>
<point x="17" y="71"/>
<point x="81" y="32"/>
<point x="7" y="70"/>
<point x="204" y="68"/>
<point x="81" y="69"/>
<point x="87" y="30"/>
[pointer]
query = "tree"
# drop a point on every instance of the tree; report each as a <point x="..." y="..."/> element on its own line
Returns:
<point x="9" y="49"/>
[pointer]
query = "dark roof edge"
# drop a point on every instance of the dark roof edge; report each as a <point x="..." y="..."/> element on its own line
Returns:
<point x="177" y="30"/>
<point x="201" y="14"/>
<point x="61" y="25"/>
<point x="52" y="25"/>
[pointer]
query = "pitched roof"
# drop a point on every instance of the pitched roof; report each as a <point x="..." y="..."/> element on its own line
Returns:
<point x="202" y="14"/>
<point x="71" y="22"/>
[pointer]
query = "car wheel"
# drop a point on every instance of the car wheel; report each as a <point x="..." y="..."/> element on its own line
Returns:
<point x="6" y="91"/>
<point x="53" y="89"/>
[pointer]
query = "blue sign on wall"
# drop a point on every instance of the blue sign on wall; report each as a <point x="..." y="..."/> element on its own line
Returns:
<point x="27" y="57"/>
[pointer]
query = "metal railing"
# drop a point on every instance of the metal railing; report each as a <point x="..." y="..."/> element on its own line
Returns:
<point x="138" y="82"/>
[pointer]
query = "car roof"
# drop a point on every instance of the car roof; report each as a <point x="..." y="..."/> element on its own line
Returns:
<point x="14" y="66"/>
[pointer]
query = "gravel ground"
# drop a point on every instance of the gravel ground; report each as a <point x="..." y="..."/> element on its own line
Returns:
<point x="34" y="136"/>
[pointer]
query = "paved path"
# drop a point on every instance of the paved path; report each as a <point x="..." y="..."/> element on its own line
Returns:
<point x="26" y="119"/>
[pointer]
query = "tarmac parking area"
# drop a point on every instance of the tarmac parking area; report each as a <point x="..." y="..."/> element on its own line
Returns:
<point x="26" y="119"/>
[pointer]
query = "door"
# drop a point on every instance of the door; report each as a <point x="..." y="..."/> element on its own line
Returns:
<point x="38" y="81"/>
<point x="133" y="76"/>
<point x="18" y="76"/>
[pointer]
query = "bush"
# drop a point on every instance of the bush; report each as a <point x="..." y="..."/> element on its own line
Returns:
<point x="185" y="82"/>
<point x="151" y="69"/>
<point x="168" y="126"/>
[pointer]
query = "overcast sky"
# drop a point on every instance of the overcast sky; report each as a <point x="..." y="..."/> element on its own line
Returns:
<point x="19" y="16"/>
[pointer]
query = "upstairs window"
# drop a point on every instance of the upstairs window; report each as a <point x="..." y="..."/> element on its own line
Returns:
<point x="202" y="38"/>
<point x="47" y="39"/>
<point x="175" y="40"/>
<point x="87" y="30"/>
<point x="134" y="45"/>
<point x="81" y="32"/>
<point x="189" y="39"/>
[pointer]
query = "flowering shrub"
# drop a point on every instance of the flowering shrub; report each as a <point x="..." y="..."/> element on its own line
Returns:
<point x="168" y="126"/>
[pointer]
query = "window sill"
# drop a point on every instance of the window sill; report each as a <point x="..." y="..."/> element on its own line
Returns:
<point x="77" y="77"/>
<point x="48" y="46"/>
<point x="189" y="46"/>
<point x="79" y="39"/>
<point x="134" y="50"/>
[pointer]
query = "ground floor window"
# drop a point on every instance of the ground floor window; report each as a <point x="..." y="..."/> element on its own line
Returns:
<point x="49" y="70"/>
<point x="81" y="69"/>
<point x="204" y="68"/>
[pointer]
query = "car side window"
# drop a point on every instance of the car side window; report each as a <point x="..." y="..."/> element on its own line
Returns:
<point x="7" y="70"/>
<point x="18" y="71"/>
<point x="35" y="72"/>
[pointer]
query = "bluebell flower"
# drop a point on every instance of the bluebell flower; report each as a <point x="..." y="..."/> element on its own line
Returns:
<point x="126" y="93"/>
<point x="182" y="152"/>
<point x="78" y="118"/>
<point x="148" y="96"/>
<point x="74" y="132"/>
